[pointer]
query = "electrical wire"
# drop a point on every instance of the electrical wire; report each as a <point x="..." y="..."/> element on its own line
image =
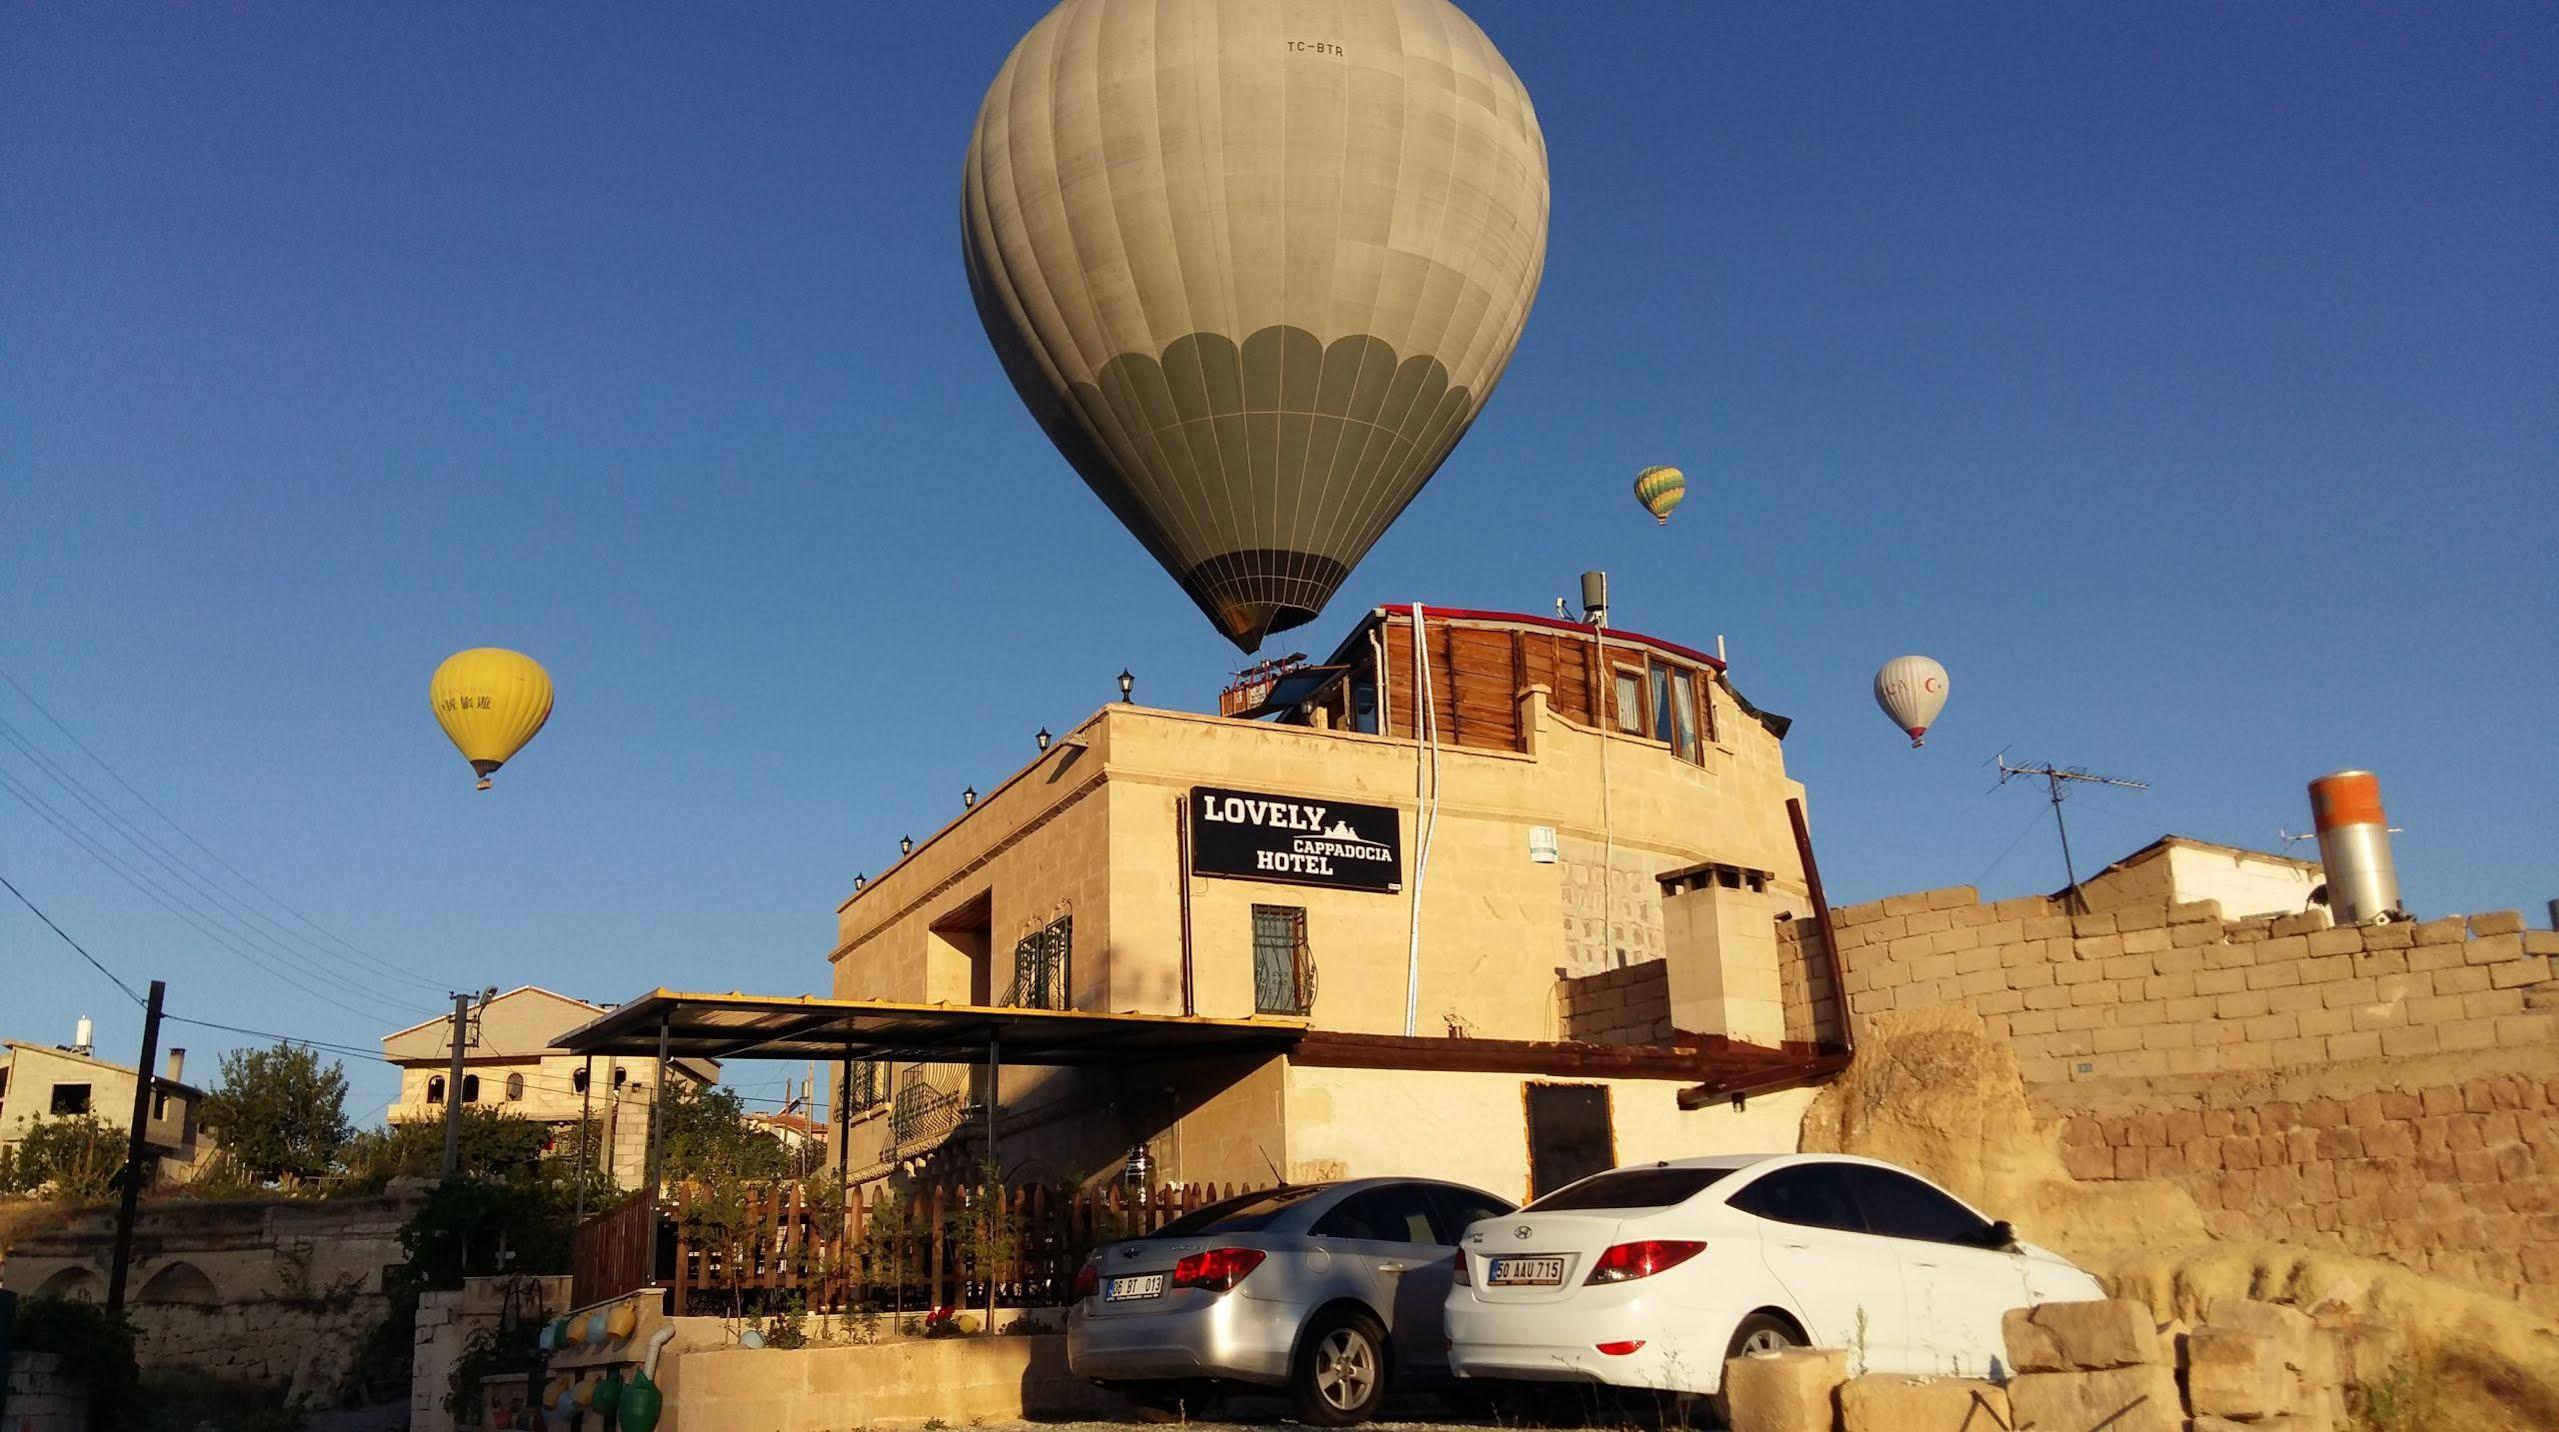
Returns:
<point x="387" y="967"/>
<point x="74" y="944"/>
<point x="174" y="904"/>
<point x="349" y="1050"/>
<point x="2010" y="849"/>
<point x="222" y="908"/>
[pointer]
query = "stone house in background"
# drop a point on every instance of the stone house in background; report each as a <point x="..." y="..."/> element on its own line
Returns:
<point x="510" y="1064"/>
<point x="39" y="1081"/>
<point x="2180" y="870"/>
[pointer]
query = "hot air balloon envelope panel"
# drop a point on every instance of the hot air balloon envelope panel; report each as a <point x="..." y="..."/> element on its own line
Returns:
<point x="1255" y="267"/>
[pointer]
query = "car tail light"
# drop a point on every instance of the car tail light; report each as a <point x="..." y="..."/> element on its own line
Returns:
<point x="1465" y="1270"/>
<point x="1629" y="1261"/>
<point x="1218" y="1270"/>
<point x="1088" y="1281"/>
<point x="1621" y="1349"/>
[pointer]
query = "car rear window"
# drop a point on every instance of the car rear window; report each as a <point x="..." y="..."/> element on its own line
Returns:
<point x="1631" y="1188"/>
<point x="1244" y="1213"/>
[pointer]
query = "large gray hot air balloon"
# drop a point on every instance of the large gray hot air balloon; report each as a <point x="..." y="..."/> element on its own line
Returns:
<point x="1255" y="266"/>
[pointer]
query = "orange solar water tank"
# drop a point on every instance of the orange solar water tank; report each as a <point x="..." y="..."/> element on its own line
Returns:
<point x="2354" y="847"/>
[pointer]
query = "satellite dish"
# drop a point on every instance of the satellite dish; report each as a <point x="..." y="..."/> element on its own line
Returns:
<point x="1255" y="269"/>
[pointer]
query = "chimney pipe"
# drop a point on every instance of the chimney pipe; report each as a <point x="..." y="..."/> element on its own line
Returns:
<point x="2354" y="847"/>
<point x="177" y="1066"/>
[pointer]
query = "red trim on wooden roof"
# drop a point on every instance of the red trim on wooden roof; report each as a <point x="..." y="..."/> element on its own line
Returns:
<point x="1582" y="629"/>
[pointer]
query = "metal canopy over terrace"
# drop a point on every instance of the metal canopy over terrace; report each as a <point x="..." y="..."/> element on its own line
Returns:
<point x="665" y="1024"/>
<point x="742" y="1026"/>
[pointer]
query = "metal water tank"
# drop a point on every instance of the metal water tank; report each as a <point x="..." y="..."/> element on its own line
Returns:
<point x="2354" y="847"/>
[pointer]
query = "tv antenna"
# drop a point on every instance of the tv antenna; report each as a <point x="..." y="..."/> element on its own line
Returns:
<point x="2056" y="781"/>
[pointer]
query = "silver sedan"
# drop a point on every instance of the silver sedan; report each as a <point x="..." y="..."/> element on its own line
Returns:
<point x="1329" y="1291"/>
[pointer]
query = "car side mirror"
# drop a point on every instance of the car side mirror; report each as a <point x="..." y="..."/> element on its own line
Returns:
<point x="2000" y="1237"/>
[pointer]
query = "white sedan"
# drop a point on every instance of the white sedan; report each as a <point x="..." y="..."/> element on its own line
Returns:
<point x="1651" y="1276"/>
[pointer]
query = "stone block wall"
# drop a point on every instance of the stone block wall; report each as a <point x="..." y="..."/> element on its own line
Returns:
<point x="1803" y="979"/>
<point x="41" y="1398"/>
<point x="2390" y="1091"/>
<point x="2175" y="989"/>
<point x="307" y="1347"/>
<point x="445" y="1323"/>
<point x="1612" y="912"/>
<point x="2090" y="1367"/>
<point x="1628" y="1006"/>
<point x="2459" y="1178"/>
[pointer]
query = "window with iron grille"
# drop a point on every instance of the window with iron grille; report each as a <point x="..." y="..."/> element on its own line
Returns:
<point x="1283" y="980"/>
<point x="1040" y="966"/>
<point x="864" y="1086"/>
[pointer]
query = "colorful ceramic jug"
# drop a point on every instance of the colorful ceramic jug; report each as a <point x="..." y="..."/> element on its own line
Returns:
<point x="641" y="1403"/>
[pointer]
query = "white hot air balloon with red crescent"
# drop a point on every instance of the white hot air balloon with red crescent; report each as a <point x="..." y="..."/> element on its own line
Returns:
<point x="1912" y="690"/>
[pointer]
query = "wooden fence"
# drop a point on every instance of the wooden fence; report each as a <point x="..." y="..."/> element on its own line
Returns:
<point x="615" y="1252"/>
<point x="750" y="1249"/>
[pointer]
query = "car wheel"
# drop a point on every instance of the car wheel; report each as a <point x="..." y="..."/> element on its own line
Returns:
<point x="1759" y="1332"/>
<point x="1340" y="1377"/>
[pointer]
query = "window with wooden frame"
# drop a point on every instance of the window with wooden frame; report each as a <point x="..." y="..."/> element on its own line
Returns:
<point x="1630" y="699"/>
<point x="1675" y="710"/>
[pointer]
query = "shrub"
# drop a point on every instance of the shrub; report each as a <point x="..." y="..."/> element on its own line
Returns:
<point x="77" y="1157"/>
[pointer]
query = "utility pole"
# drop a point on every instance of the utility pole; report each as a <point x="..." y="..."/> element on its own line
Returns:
<point x="453" y="1089"/>
<point x="131" y="1201"/>
<point x="2055" y="778"/>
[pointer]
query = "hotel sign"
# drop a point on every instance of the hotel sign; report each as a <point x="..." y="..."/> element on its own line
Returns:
<point x="1248" y="836"/>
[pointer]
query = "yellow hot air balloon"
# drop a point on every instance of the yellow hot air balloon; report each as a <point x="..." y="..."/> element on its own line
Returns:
<point x="1660" y="489"/>
<point x="490" y="701"/>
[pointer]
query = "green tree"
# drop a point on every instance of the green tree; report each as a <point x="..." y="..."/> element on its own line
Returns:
<point x="494" y="1144"/>
<point x="279" y="1112"/>
<point x="706" y="1138"/>
<point x="77" y="1158"/>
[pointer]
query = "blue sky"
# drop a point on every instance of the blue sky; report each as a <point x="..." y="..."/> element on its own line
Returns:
<point x="2185" y="377"/>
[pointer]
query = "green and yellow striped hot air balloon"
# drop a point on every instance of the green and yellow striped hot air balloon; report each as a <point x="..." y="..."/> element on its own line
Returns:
<point x="1660" y="489"/>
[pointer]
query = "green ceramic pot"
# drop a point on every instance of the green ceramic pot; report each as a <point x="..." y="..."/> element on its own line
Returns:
<point x="641" y="1403"/>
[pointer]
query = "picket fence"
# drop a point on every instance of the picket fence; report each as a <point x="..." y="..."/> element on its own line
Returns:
<point x="766" y="1247"/>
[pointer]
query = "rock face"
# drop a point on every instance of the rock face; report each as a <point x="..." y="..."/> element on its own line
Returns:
<point x="1887" y="1402"/>
<point x="1788" y="1391"/>
<point x="1931" y="1091"/>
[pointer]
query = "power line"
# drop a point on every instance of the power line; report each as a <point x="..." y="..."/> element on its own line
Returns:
<point x="66" y="939"/>
<point x="152" y="890"/>
<point x="386" y="966"/>
<point x="348" y="1050"/>
<point x="222" y="906"/>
